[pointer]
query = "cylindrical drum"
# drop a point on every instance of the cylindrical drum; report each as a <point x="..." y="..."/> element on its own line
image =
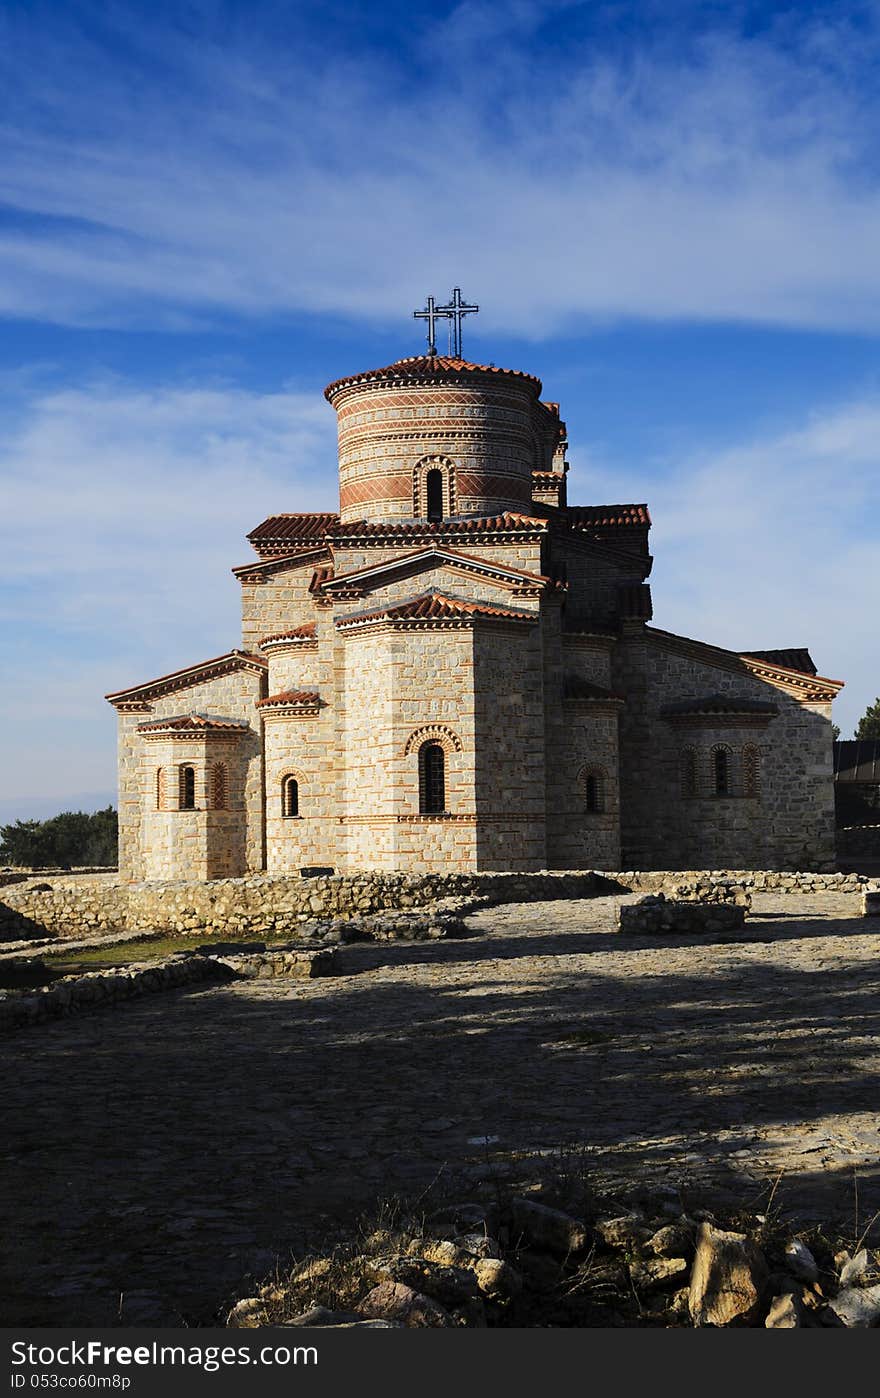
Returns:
<point x="433" y="438"/>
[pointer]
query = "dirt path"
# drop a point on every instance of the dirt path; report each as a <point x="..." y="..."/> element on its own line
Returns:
<point x="156" y="1154"/>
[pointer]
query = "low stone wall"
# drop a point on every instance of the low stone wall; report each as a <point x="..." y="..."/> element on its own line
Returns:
<point x="266" y="905"/>
<point x="655" y="913"/>
<point x="753" y="880"/>
<point x="103" y="989"/>
<point x="278" y="905"/>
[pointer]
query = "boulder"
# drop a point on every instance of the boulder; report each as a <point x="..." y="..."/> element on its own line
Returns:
<point x="659" y="1271"/>
<point x="247" y="1314"/>
<point x="786" y="1313"/>
<point x="392" y="1300"/>
<point x="627" y="1231"/>
<point x="548" y="1228"/>
<point x="497" y="1279"/>
<point x="728" y="1279"/>
<point x="857" y="1307"/>
<point x="674" y="1240"/>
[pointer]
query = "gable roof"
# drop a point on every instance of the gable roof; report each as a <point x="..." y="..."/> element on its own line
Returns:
<point x="192" y="675"/>
<point x="258" y="569"/>
<point x="437" y="554"/>
<point x="805" y="688"/>
<point x="435" y="607"/>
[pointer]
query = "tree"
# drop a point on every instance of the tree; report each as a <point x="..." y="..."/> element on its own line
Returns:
<point x="869" y="723"/>
<point x="69" y="839"/>
<point x="835" y="733"/>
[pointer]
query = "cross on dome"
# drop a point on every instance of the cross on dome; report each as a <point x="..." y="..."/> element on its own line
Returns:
<point x="454" y="311"/>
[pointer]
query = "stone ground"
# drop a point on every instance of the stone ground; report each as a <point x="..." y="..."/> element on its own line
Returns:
<point x="158" y="1155"/>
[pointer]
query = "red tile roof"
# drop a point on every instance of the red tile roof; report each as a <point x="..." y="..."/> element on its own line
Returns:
<point x="294" y="526"/>
<point x="422" y="366"/>
<point x="507" y="522"/>
<point x="795" y="658"/>
<point x="720" y="704"/>
<point x="434" y="606"/>
<point x="291" y="698"/>
<point x="298" y="633"/>
<point x="195" y="723"/>
<point x="605" y="516"/>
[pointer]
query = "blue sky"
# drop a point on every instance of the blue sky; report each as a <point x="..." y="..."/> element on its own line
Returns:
<point x="670" y="212"/>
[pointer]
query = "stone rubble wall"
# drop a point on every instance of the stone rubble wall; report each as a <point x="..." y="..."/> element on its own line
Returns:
<point x="656" y="913"/>
<point x="277" y="905"/>
<point x="261" y="905"/>
<point x="103" y="989"/>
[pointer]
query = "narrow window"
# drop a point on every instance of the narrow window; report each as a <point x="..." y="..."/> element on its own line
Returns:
<point x="187" y="788"/>
<point x="432" y="779"/>
<point x="218" y="786"/>
<point x="290" y="797"/>
<point x="160" y="788"/>
<point x="434" y="494"/>
<point x="593" y="792"/>
<point x="689" y="772"/>
<point x="722" y="772"/>
<point x="751" y="763"/>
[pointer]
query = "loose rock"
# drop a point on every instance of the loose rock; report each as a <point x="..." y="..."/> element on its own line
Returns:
<point x="728" y="1278"/>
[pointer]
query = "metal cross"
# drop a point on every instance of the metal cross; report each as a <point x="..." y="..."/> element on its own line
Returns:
<point x="431" y="314"/>
<point x="456" y="310"/>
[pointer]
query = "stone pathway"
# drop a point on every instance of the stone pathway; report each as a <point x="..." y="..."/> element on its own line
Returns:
<point x="155" y="1155"/>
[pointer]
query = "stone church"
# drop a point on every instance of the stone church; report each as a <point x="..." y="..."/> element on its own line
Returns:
<point x="459" y="671"/>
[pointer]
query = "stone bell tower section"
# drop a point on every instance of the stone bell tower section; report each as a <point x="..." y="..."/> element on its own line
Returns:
<point x="432" y="437"/>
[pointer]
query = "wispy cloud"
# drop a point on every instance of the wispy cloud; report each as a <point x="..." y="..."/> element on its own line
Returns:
<point x="728" y="178"/>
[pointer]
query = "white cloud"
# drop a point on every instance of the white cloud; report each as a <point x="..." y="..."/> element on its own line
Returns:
<point x="730" y="178"/>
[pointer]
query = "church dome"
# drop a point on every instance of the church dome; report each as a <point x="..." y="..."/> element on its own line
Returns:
<point x="434" y="434"/>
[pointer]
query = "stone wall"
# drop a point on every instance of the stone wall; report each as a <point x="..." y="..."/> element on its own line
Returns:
<point x="102" y="989"/>
<point x="259" y="906"/>
<point x="786" y="821"/>
<point x="657" y="914"/>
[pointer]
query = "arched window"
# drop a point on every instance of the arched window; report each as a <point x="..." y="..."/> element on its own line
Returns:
<point x="160" y="788"/>
<point x="432" y="779"/>
<point x="290" y="797"/>
<point x="721" y="771"/>
<point x="187" y="777"/>
<point x="434" y="494"/>
<point x="594" y="791"/>
<point x="751" y="770"/>
<point x="689" y="772"/>
<point x="218" y="786"/>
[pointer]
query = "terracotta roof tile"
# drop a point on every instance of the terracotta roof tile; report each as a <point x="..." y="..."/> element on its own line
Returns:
<point x="421" y="366"/>
<point x="196" y="723"/>
<point x="291" y="698"/>
<point x="507" y="522"/>
<point x="605" y="516"/>
<point x="720" y="704"/>
<point x="298" y="633"/>
<point x="305" y="526"/>
<point x="435" y="606"/>
<point x="443" y="555"/>
<point x="794" y="658"/>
